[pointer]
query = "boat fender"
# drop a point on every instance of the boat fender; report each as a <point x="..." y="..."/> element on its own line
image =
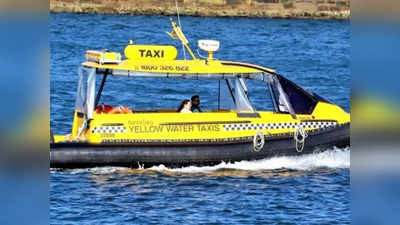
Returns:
<point x="258" y="141"/>
<point x="300" y="136"/>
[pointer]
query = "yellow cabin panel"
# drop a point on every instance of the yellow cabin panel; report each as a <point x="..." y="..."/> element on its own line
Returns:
<point x="176" y="67"/>
<point x="328" y="111"/>
<point x="206" y="125"/>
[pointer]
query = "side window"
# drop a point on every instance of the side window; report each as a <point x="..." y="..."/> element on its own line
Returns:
<point x="158" y="93"/>
<point x="259" y="95"/>
<point x="225" y="96"/>
<point x="301" y="101"/>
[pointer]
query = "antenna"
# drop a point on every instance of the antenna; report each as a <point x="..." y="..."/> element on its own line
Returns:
<point x="179" y="22"/>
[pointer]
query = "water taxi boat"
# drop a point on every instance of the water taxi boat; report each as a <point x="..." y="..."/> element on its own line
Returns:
<point x="301" y="123"/>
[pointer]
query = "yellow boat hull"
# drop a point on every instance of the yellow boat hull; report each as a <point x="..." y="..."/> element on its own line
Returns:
<point x="179" y="154"/>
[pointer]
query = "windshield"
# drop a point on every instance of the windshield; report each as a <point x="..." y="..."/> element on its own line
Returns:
<point x="84" y="102"/>
<point x="300" y="100"/>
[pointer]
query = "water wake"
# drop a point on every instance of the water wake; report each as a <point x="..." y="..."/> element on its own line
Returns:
<point x="335" y="158"/>
<point x="95" y="170"/>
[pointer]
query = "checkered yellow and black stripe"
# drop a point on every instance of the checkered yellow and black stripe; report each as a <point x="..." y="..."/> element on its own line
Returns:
<point x="276" y="126"/>
<point x="109" y="129"/>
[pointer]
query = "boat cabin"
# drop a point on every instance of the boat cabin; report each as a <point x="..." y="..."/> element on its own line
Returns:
<point x="290" y="104"/>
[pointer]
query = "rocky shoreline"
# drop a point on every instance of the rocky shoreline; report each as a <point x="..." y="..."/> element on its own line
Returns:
<point x="301" y="9"/>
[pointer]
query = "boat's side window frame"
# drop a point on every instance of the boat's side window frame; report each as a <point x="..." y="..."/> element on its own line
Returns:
<point x="86" y="90"/>
<point x="243" y="103"/>
<point x="228" y="84"/>
<point x="278" y="96"/>
<point x="103" y="81"/>
<point x="273" y="97"/>
<point x="238" y="83"/>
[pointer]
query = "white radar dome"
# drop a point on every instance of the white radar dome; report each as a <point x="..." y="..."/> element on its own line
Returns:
<point x="208" y="45"/>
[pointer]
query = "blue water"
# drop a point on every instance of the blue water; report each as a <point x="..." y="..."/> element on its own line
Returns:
<point x="310" y="189"/>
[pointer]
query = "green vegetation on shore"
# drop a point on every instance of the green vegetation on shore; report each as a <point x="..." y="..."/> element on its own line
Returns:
<point x="336" y="9"/>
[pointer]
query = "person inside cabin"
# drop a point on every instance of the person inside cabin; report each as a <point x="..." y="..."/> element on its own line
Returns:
<point x="195" y="103"/>
<point x="185" y="106"/>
